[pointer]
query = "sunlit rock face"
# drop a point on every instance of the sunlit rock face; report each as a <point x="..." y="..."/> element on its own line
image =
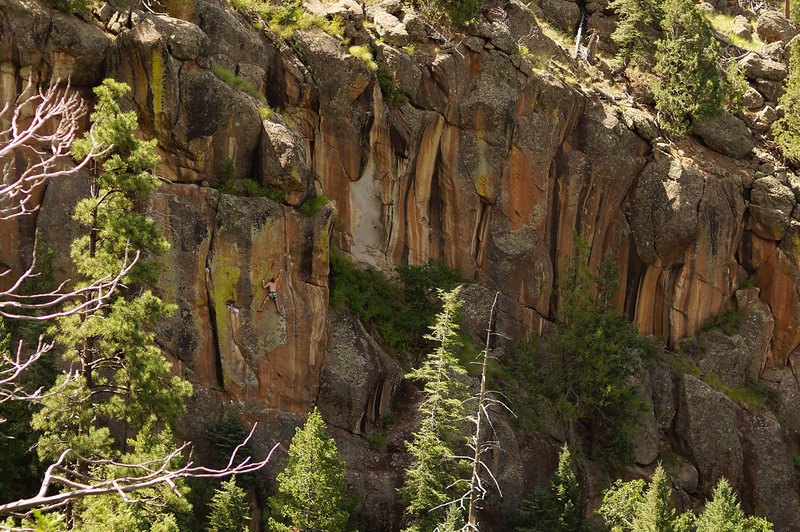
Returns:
<point x="492" y="160"/>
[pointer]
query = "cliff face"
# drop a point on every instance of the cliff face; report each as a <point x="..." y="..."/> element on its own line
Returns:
<point x="491" y="165"/>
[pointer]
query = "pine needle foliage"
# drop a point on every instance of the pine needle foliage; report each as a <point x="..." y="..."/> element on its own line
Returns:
<point x="557" y="509"/>
<point x="229" y="509"/>
<point x="630" y="507"/>
<point x="311" y="489"/>
<point x="786" y="130"/>
<point x="434" y="467"/>
<point x="638" y="20"/>
<point x="587" y="359"/>
<point x="689" y="86"/>
<point x="723" y="514"/>
<point x="124" y="380"/>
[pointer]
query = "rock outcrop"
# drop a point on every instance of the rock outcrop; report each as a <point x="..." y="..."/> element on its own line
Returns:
<point x="466" y="150"/>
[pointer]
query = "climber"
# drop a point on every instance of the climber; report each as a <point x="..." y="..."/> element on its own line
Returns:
<point x="272" y="292"/>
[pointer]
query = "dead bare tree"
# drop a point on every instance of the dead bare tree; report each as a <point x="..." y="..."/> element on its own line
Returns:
<point x="37" y="134"/>
<point x="484" y="438"/>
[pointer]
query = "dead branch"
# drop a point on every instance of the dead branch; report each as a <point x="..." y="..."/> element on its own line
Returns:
<point x="143" y="475"/>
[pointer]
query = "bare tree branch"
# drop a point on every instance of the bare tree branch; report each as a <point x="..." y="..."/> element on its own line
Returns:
<point x="151" y="473"/>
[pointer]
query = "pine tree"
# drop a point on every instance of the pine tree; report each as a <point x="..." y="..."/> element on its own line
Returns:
<point x="110" y="512"/>
<point x="229" y="509"/>
<point x="434" y="467"/>
<point x="592" y="352"/>
<point x="566" y="495"/>
<point x="621" y="504"/>
<point x="786" y="130"/>
<point x="311" y="489"/>
<point x="636" y="17"/>
<point x="558" y="508"/>
<point x="655" y="514"/>
<point x="689" y="85"/>
<point x="124" y="379"/>
<point x="723" y="514"/>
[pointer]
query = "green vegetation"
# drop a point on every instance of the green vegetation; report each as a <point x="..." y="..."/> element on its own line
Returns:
<point x="453" y="13"/>
<point x="237" y="82"/>
<point x="229" y="184"/>
<point x="229" y="509"/>
<point x="638" y="22"/>
<point x="285" y="17"/>
<point x="70" y="6"/>
<point x="265" y="111"/>
<point x="400" y="308"/>
<point x="629" y="507"/>
<point x="364" y="53"/>
<point x="727" y="321"/>
<point x="125" y="380"/>
<point x="689" y="85"/>
<point x="724" y="24"/>
<point x="584" y="365"/>
<point x="311" y="490"/>
<point x="391" y="91"/>
<point x="786" y="130"/>
<point x="311" y="206"/>
<point x="558" y="508"/>
<point x="434" y="469"/>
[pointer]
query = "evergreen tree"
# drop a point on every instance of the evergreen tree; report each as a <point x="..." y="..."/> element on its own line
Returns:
<point x="621" y="503"/>
<point x="229" y="509"/>
<point x="558" y="508"/>
<point x="311" y="489"/>
<point x="591" y="353"/>
<point x="110" y="512"/>
<point x="723" y="514"/>
<point x="638" y="20"/>
<point x="565" y="492"/>
<point x="124" y="379"/>
<point x="627" y="507"/>
<point x="689" y="85"/>
<point x="786" y="130"/>
<point x="655" y="514"/>
<point x="434" y="467"/>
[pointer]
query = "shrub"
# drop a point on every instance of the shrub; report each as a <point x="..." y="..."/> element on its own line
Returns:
<point x="392" y="93"/>
<point x="638" y="19"/>
<point x="363" y="53"/>
<point x="584" y="366"/>
<point x="786" y="130"/>
<point x="688" y="86"/>
<point x="311" y="206"/>
<point x="237" y="82"/>
<point x="399" y="308"/>
<point x="727" y="321"/>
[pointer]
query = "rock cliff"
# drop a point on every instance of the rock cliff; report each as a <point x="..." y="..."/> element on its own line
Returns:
<point x="492" y="158"/>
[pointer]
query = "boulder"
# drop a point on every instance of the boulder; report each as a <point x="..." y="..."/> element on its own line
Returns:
<point x="185" y="41"/>
<point x="76" y="50"/>
<point x="705" y="426"/>
<point x="564" y="14"/>
<point x="772" y="26"/>
<point x="358" y="379"/>
<point x="742" y="28"/>
<point x="768" y="470"/>
<point x="662" y="210"/>
<point x="725" y="134"/>
<point x="765" y="118"/>
<point x="754" y="67"/>
<point x="753" y="99"/>
<point x="771" y="90"/>
<point x="737" y="359"/>
<point x="771" y="206"/>
<point x="283" y="160"/>
<point x="388" y="26"/>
